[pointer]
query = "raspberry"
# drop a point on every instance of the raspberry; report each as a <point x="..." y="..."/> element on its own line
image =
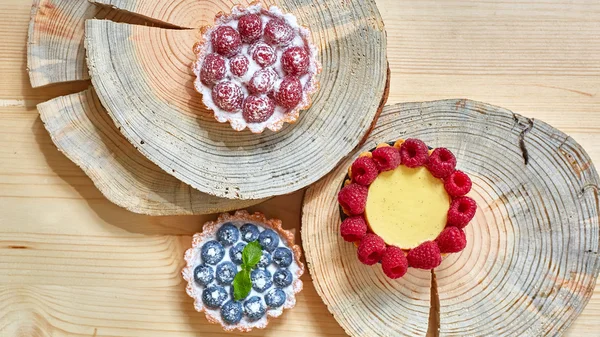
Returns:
<point x="457" y="184"/>
<point x="364" y="171"/>
<point x="413" y="152"/>
<point x="294" y="60"/>
<point x="263" y="54"/>
<point x="262" y="81"/>
<point x="228" y="96"/>
<point x="238" y="65"/>
<point x="386" y="158"/>
<point x="213" y="69"/>
<point x="353" y="228"/>
<point x="370" y="249"/>
<point x="461" y="211"/>
<point x="278" y="32"/>
<point x="250" y="27"/>
<point x="451" y="240"/>
<point x="441" y="162"/>
<point x="425" y="256"/>
<point x="226" y="41"/>
<point x="258" y="109"/>
<point x="353" y="198"/>
<point x="290" y="92"/>
<point x="394" y="263"/>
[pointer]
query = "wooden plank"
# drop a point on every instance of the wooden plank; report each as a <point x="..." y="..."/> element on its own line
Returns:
<point x="43" y="193"/>
<point x="53" y="310"/>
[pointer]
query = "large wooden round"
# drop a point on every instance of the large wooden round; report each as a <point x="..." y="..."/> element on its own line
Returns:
<point x="532" y="260"/>
<point x="55" y="50"/>
<point x="143" y="78"/>
<point x="82" y="130"/>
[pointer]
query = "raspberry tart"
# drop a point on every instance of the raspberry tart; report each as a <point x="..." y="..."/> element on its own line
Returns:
<point x="405" y="205"/>
<point x="256" y="68"/>
<point x="243" y="269"/>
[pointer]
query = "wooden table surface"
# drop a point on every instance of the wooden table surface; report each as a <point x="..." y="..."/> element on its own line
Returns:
<point x="71" y="263"/>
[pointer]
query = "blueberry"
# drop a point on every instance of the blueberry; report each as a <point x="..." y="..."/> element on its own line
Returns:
<point x="203" y="275"/>
<point x="249" y="232"/>
<point x="214" y="296"/>
<point x="254" y="308"/>
<point x="282" y="278"/>
<point x="226" y="272"/>
<point x="265" y="260"/>
<point x="231" y="312"/>
<point x="212" y="252"/>
<point x="228" y="234"/>
<point x="268" y="239"/>
<point x="282" y="257"/>
<point x="275" y="298"/>
<point x="261" y="280"/>
<point x="235" y="252"/>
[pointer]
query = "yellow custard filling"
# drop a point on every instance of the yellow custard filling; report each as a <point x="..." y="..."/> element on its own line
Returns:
<point x="407" y="206"/>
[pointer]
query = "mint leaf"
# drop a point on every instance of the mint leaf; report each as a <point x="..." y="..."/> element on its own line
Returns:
<point x="251" y="255"/>
<point x="241" y="285"/>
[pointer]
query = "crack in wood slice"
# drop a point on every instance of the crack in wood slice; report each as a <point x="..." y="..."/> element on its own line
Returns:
<point x="532" y="260"/>
<point x="55" y="50"/>
<point x="181" y="13"/>
<point x="433" y="329"/>
<point x="143" y="78"/>
<point x="83" y="131"/>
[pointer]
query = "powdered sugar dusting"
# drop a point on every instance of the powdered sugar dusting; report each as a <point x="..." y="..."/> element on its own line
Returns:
<point x="193" y="258"/>
<point x="308" y="80"/>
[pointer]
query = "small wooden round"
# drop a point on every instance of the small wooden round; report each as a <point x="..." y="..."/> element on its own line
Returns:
<point x="531" y="261"/>
<point x="82" y="130"/>
<point x="55" y="50"/>
<point x="143" y="78"/>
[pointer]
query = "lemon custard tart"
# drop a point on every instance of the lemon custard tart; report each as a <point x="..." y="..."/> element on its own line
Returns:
<point x="405" y="205"/>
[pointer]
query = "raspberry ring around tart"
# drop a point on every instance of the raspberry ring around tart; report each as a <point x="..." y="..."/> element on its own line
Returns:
<point x="405" y="205"/>
<point x="209" y="279"/>
<point x="256" y="68"/>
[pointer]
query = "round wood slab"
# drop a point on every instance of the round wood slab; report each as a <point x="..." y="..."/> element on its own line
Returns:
<point x="531" y="262"/>
<point x="142" y="76"/>
<point x="83" y="131"/>
<point x="55" y="50"/>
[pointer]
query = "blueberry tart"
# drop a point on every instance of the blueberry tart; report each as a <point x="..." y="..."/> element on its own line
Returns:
<point x="404" y="205"/>
<point x="256" y="68"/>
<point x="243" y="269"/>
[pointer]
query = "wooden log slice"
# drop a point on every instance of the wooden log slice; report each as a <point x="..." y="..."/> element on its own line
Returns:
<point x="532" y="260"/>
<point x="143" y="78"/>
<point x="55" y="50"/>
<point x="83" y="131"/>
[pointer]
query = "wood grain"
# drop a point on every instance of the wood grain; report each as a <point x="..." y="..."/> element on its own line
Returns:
<point x="532" y="260"/>
<point x="44" y="195"/>
<point x="55" y="39"/>
<point x="82" y="130"/>
<point x="142" y="76"/>
<point x="182" y="13"/>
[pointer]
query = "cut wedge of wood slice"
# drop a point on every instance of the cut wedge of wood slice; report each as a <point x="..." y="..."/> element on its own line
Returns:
<point x="180" y="13"/>
<point x="143" y="78"/>
<point x="83" y="131"/>
<point x="531" y="261"/>
<point x="55" y="50"/>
